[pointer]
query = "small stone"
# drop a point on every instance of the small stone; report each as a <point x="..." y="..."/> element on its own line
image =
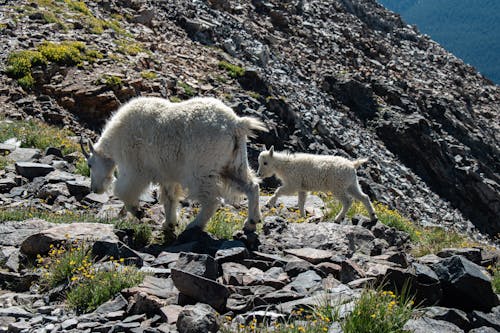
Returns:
<point x="198" y="264"/>
<point x="69" y="324"/>
<point x="19" y="326"/>
<point x="314" y="256"/>
<point x="350" y="271"/>
<point x="170" y="313"/>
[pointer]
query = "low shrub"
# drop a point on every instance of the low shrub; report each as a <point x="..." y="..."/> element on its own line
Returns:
<point x="69" y="53"/>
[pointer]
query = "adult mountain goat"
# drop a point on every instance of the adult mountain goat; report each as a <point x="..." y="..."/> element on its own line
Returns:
<point x="197" y="145"/>
<point x="305" y="172"/>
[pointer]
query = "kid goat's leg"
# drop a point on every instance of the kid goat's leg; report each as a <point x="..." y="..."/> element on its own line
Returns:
<point x="358" y="194"/>
<point x="302" y="203"/>
<point x="346" y="201"/>
<point x="282" y="190"/>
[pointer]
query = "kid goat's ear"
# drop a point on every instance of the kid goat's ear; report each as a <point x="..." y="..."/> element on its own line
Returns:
<point x="271" y="151"/>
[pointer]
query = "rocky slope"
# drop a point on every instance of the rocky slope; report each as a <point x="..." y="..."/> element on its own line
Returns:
<point x="344" y="77"/>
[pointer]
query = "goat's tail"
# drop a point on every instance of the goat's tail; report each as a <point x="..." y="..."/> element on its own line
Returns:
<point x="248" y="125"/>
<point x="359" y="162"/>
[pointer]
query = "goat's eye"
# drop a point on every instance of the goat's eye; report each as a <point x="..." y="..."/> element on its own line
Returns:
<point x="265" y="163"/>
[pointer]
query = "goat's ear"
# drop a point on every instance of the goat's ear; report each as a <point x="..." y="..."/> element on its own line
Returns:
<point x="271" y="151"/>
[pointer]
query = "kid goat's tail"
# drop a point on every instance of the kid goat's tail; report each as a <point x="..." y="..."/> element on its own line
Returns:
<point x="359" y="162"/>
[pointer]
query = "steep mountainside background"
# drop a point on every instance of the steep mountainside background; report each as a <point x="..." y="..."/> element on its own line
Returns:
<point x="470" y="29"/>
<point x="340" y="77"/>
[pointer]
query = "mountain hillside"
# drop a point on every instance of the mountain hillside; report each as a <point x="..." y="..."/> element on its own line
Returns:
<point x="470" y="29"/>
<point x="346" y="77"/>
<point x="343" y="77"/>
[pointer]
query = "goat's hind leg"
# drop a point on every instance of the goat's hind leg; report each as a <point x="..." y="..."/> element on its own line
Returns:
<point x="244" y="182"/>
<point x="358" y="194"/>
<point x="346" y="202"/>
<point x="208" y="196"/>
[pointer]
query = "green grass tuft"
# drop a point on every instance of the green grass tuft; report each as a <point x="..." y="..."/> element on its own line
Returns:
<point x="142" y="233"/>
<point x="62" y="263"/>
<point x="82" y="168"/>
<point x="175" y="99"/>
<point x="224" y="223"/>
<point x="425" y="240"/>
<point x="69" y="216"/>
<point x="379" y="311"/>
<point x="72" y="264"/>
<point x="495" y="278"/>
<point x="233" y="71"/>
<point x="188" y="90"/>
<point x="376" y="311"/>
<point x="36" y="134"/>
<point x="101" y="286"/>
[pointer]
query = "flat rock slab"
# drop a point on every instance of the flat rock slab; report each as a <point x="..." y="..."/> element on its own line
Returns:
<point x="39" y="243"/>
<point x="31" y="170"/>
<point x="428" y="325"/>
<point x="24" y="154"/>
<point x="314" y="256"/>
<point x="159" y="287"/>
<point x="201" y="289"/>
<point x="340" y="239"/>
<point x="13" y="233"/>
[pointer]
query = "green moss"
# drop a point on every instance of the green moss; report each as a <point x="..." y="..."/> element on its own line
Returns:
<point x="188" y="90"/>
<point x="111" y="81"/>
<point x="19" y="65"/>
<point x="78" y="6"/>
<point x="233" y="71"/>
<point x="4" y="161"/>
<point x="149" y="75"/>
<point x="128" y="47"/>
<point x="69" y="53"/>
<point x="175" y="99"/>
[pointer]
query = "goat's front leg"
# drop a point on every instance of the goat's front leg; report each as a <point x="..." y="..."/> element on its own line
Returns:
<point x="128" y="189"/>
<point x="169" y="198"/>
<point x="282" y="190"/>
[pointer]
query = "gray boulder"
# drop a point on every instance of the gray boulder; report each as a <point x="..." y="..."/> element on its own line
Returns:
<point x="199" y="318"/>
<point x="465" y="285"/>
<point x="428" y="325"/>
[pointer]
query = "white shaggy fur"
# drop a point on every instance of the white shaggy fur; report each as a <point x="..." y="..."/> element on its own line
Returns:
<point x="305" y="172"/>
<point x="197" y="145"/>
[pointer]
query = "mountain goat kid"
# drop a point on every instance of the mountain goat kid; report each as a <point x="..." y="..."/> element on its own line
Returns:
<point x="198" y="145"/>
<point x="305" y="172"/>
